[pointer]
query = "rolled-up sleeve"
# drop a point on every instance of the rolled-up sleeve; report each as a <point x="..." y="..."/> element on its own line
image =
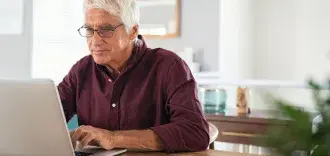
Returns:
<point x="188" y="128"/>
<point x="67" y="90"/>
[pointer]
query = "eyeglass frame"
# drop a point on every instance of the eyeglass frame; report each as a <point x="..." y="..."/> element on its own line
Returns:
<point x="98" y="31"/>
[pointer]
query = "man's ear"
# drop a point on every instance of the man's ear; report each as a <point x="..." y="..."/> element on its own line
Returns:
<point x="134" y="32"/>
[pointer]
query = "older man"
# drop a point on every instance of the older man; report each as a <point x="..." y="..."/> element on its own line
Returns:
<point x="127" y="95"/>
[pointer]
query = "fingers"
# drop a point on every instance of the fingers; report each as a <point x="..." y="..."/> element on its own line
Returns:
<point x="81" y="132"/>
<point x="94" y="142"/>
<point x="72" y="142"/>
<point x="87" y="139"/>
<point x="78" y="134"/>
<point x="88" y="135"/>
<point x="72" y="132"/>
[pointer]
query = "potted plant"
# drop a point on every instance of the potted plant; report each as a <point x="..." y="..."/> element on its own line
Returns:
<point x="306" y="133"/>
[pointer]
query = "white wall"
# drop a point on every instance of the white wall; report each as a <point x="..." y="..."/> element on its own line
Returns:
<point x="281" y="39"/>
<point x="15" y="60"/>
<point x="236" y="46"/>
<point x="313" y="39"/>
<point x="292" y="42"/>
<point x="292" y="39"/>
<point x="274" y="39"/>
<point x="199" y="30"/>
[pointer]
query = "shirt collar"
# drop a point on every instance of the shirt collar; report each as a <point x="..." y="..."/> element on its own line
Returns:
<point x="138" y="51"/>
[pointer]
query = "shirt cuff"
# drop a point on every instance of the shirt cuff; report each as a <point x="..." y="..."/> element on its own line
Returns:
<point x="168" y="135"/>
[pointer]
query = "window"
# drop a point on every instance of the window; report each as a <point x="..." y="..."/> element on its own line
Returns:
<point x="11" y="23"/>
<point x="56" y="42"/>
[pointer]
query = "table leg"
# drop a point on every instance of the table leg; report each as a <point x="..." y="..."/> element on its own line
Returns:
<point x="212" y="146"/>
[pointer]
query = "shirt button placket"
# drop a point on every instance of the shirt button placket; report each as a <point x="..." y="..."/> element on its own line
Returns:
<point x="114" y="111"/>
<point x="114" y="107"/>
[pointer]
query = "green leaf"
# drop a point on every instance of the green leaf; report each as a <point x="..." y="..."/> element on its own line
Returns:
<point x="298" y="135"/>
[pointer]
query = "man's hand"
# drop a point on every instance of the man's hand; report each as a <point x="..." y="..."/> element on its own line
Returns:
<point x="133" y="139"/>
<point x="88" y="135"/>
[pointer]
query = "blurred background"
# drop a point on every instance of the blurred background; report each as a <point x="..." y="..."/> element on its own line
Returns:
<point x="268" y="46"/>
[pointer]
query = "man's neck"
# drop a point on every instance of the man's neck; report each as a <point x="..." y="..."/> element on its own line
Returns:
<point x="119" y="67"/>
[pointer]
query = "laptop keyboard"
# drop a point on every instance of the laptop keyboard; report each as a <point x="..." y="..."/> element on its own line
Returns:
<point x="82" y="153"/>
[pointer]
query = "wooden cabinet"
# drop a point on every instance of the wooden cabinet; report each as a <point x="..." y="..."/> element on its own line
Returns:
<point x="244" y="129"/>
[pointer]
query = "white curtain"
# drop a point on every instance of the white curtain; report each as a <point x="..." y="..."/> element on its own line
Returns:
<point x="56" y="42"/>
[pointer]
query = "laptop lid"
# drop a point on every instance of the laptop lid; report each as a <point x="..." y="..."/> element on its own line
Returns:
<point x="32" y="120"/>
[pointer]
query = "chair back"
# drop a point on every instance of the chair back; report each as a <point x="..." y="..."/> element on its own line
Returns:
<point x="213" y="132"/>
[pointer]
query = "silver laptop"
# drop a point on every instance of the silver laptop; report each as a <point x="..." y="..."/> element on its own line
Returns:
<point x="33" y="123"/>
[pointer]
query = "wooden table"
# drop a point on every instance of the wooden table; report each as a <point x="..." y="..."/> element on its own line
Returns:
<point x="248" y="129"/>
<point x="203" y="153"/>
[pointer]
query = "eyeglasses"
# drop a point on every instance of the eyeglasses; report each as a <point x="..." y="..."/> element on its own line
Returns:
<point x="105" y="32"/>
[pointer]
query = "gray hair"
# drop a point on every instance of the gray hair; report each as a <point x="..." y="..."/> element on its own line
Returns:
<point x="126" y="10"/>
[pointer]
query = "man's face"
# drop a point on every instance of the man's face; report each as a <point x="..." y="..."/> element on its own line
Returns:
<point x="111" y="49"/>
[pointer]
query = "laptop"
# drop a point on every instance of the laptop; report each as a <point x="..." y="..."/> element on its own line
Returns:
<point x="33" y="123"/>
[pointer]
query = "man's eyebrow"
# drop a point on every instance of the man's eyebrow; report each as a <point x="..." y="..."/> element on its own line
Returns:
<point x="107" y="26"/>
<point x="102" y="26"/>
<point x="86" y="26"/>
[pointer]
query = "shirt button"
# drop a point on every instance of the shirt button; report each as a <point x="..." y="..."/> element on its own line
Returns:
<point x="109" y="80"/>
<point x="113" y="105"/>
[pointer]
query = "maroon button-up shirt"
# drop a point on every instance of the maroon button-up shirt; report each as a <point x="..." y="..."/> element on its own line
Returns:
<point x="156" y="91"/>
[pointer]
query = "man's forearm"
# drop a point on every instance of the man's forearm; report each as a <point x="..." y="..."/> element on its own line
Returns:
<point x="138" y="140"/>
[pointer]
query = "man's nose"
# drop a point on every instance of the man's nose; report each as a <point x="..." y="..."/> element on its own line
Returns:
<point x="97" y="39"/>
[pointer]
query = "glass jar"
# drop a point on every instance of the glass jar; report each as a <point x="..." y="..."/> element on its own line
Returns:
<point x="213" y="100"/>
